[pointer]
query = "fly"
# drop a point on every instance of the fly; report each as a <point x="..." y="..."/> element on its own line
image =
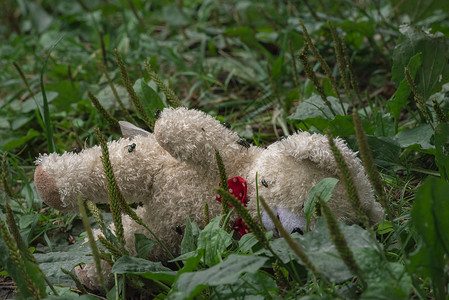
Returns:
<point x="226" y="124"/>
<point x="131" y="147"/>
<point x="243" y="143"/>
<point x="264" y="183"/>
<point x="157" y="113"/>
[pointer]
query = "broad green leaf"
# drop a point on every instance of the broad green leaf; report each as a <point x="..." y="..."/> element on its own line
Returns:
<point x="248" y="241"/>
<point x="144" y="268"/>
<point x="191" y="263"/>
<point x="190" y="239"/>
<point x="400" y="98"/>
<point x="385" y="150"/>
<point x="314" y="107"/>
<point x="430" y="216"/>
<point x="442" y="149"/>
<point x="434" y="71"/>
<point x="143" y="245"/>
<point x="384" y="227"/>
<point x="226" y="272"/>
<point x="30" y="104"/>
<point x="67" y="93"/>
<point x="214" y="240"/>
<point x="249" y="286"/>
<point x="107" y="98"/>
<point x="315" y="113"/>
<point x="52" y="262"/>
<point x="418" y="138"/>
<point x="319" y="248"/>
<point x="149" y="98"/>
<point x="426" y="8"/>
<point x="386" y="280"/>
<point x="322" y="190"/>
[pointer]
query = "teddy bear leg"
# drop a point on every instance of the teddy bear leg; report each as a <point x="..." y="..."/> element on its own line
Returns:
<point x="88" y="276"/>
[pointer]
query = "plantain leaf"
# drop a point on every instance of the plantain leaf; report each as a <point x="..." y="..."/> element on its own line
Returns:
<point x="434" y="71"/>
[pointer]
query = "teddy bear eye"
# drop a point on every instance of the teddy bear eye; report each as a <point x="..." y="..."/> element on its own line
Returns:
<point x="178" y="229"/>
<point x="298" y="230"/>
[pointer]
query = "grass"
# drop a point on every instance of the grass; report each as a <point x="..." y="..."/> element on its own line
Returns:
<point x="238" y="61"/>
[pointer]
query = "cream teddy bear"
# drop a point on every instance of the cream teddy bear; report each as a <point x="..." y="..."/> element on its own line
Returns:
<point x="173" y="172"/>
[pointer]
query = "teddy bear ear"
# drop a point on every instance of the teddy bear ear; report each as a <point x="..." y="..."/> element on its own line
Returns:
<point x="129" y="130"/>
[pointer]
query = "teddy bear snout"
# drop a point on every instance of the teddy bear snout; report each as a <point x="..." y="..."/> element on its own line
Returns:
<point x="47" y="189"/>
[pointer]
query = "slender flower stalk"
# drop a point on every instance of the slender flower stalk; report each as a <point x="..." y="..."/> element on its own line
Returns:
<point x="107" y="257"/>
<point x="281" y="275"/>
<point x="104" y="70"/>
<point x="103" y="50"/>
<point x="118" y="202"/>
<point x="241" y="210"/>
<point x="340" y="60"/>
<point x="302" y="56"/>
<point x="24" y="79"/>
<point x="206" y="214"/>
<point x="368" y="163"/>
<point x="96" y="213"/>
<point x="353" y="80"/>
<point x="112" y="190"/>
<point x="172" y="99"/>
<point x="323" y="63"/>
<point x="129" y="87"/>
<point x="420" y="102"/>
<point x="440" y="115"/>
<point x="107" y="116"/>
<point x="223" y="182"/>
<point x="347" y="181"/>
<point x="294" y="67"/>
<point x="78" y="283"/>
<point x="5" y="182"/>
<point x="92" y="243"/>
<point x="317" y="209"/>
<point x="340" y="242"/>
<point x="110" y="246"/>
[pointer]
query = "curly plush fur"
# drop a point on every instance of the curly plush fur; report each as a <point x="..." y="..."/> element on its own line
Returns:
<point x="173" y="173"/>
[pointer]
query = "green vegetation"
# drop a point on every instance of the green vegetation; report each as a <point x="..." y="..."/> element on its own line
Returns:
<point x="375" y="73"/>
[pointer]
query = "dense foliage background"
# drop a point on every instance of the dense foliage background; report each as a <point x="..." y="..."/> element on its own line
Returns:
<point x="238" y="61"/>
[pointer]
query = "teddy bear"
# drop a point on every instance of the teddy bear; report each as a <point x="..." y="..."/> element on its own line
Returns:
<point x="173" y="171"/>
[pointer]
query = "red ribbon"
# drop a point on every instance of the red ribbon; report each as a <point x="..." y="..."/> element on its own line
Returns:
<point x="237" y="187"/>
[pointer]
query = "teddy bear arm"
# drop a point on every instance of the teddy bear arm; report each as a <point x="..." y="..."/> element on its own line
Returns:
<point x="193" y="137"/>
